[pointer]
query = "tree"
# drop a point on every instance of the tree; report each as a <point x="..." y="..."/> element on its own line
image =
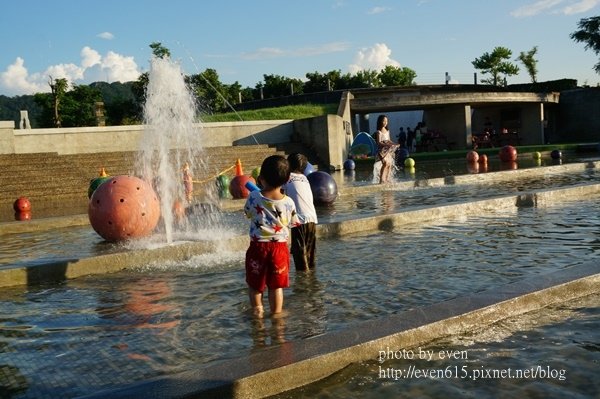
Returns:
<point x="318" y="82"/>
<point x="58" y="88"/>
<point x="362" y="79"/>
<point x="396" y="76"/>
<point x="79" y="106"/>
<point x="75" y="107"/>
<point x="159" y="51"/>
<point x="530" y="63"/>
<point x="280" y="86"/>
<point x="495" y="64"/>
<point x="589" y="33"/>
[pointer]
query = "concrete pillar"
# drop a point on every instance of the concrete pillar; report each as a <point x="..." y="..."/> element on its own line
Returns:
<point x="24" y="124"/>
<point x="99" y="113"/>
<point x="532" y="124"/>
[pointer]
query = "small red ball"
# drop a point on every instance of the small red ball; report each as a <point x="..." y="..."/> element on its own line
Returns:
<point x="508" y="153"/>
<point x="237" y="186"/>
<point x="22" y="204"/>
<point x="23" y="216"/>
<point x="472" y="156"/>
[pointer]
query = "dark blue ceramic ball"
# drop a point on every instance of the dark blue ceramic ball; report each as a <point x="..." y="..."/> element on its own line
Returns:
<point x="349" y="164"/>
<point x="323" y="187"/>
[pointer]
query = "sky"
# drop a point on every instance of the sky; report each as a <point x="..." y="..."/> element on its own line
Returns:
<point x="86" y="41"/>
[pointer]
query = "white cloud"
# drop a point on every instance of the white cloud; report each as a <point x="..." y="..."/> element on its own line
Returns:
<point x="580" y="6"/>
<point x="105" y="35"/>
<point x="16" y="80"/>
<point x="89" y="57"/>
<point x="326" y="48"/>
<point x="273" y="52"/>
<point x="373" y="58"/>
<point x="113" y="67"/>
<point x="567" y="7"/>
<point x="264" y="52"/>
<point x="120" y="68"/>
<point x="377" y="10"/>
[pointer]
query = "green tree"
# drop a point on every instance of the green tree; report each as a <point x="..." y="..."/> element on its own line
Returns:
<point x="362" y="79"/>
<point x="280" y="86"/>
<point x="589" y="33"/>
<point x="207" y="88"/>
<point x="78" y="108"/>
<point x="58" y="89"/>
<point x="396" y="76"/>
<point x="75" y="107"/>
<point x="318" y="82"/>
<point x="530" y="63"/>
<point x="159" y="51"/>
<point x="496" y="64"/>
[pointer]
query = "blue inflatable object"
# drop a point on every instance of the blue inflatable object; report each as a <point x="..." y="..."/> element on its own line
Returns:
<point x="363" y="145"/>
<point x="251" y="186"/>
<point x="349" y="164"/>
<point x="556" y="154"/>
<point x="309" y="169"/>
<point x="323" y="187"/>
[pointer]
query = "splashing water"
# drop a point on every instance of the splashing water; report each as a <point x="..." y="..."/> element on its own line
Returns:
<point x="173" y="141"/>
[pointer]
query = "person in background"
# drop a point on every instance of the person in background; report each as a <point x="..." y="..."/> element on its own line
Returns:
<point x="271" y="214"/>
<point x="410" y="139"/>
<point x="304" y="236"/>
<point x="402" y="138"/>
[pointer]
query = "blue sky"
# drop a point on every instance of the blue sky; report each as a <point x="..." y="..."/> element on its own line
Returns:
<point x="108" y="40"/>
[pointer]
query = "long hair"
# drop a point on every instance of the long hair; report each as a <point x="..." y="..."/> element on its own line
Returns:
<point x="380" y="120"/>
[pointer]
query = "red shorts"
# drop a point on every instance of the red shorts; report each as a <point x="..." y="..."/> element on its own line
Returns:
<point x="268" y="265"/>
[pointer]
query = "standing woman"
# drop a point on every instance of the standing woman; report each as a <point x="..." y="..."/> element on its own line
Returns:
<point x="385" y="149"/>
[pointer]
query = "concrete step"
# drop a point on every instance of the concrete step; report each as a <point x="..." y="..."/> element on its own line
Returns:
<point x="48" y="177"/>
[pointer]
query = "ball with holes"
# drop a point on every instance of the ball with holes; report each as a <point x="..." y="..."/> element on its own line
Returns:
<point x="123" y="208"/>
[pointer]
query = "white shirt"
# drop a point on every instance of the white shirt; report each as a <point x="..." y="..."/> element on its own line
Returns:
<point x="298" y="189"/>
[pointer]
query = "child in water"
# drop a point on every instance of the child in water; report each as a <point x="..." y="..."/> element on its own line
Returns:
<point x="271" y="214"/>
<point x="304" y="236"/>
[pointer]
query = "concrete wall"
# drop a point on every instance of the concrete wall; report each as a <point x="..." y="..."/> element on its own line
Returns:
<point x="330" y="136"/>
<point x="126" y="138"/>
<point x="7" y="138"/>
<point x="578" y="116"/>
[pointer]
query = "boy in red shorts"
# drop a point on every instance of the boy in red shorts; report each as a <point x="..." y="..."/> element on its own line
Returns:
<point x="271" y="214"/>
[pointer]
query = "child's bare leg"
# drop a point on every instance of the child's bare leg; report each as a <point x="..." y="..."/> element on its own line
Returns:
<point x="276" y="300"/>
<point x="385" y="172"/>
<point x="256" y="300"/>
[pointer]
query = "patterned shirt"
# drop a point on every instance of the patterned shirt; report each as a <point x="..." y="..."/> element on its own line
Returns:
<point x="270" y="220"/>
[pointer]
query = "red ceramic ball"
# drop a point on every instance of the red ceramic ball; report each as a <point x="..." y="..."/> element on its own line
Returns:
<point x="511" y="165"/>
<point x="23" y="216"/>
<point x="237" y="186"/>
<point x="124" y="207"/>
<point x="22" y="204"/>
<point x="473" y="167"/>
<point x="472" y="156"/>
<point x="508" y="153"/>
<point x="483" y="159"/>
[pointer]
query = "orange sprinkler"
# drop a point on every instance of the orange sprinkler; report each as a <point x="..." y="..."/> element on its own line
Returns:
<point x="238" y="168"/>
